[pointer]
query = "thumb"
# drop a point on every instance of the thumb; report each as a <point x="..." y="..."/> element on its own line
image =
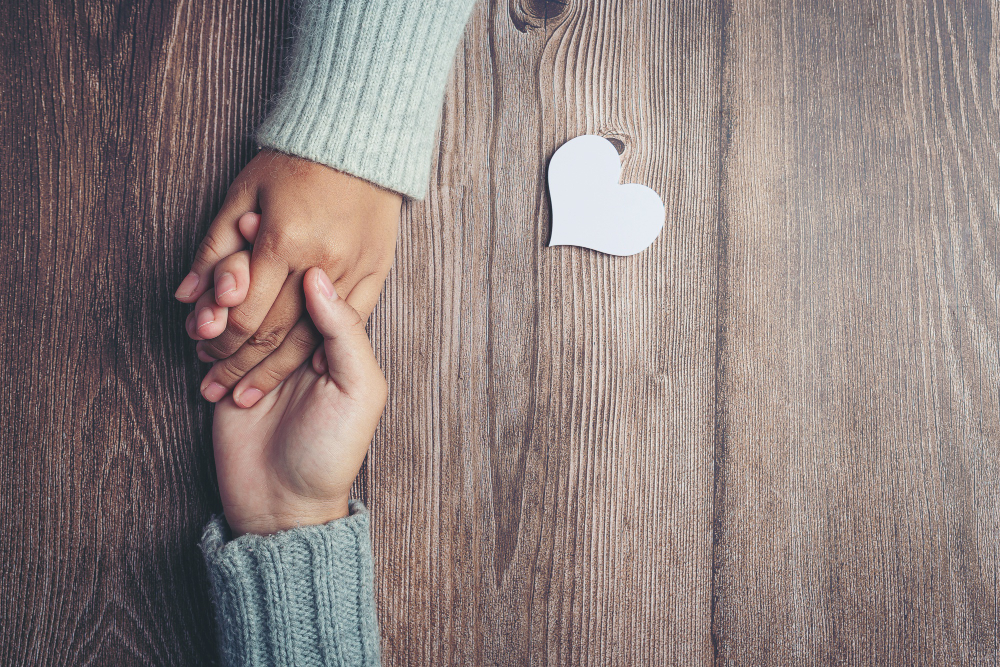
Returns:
<point x="349" y="355"/>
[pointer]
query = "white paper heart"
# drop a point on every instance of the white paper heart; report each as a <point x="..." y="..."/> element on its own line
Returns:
<point x="590" y="209"/>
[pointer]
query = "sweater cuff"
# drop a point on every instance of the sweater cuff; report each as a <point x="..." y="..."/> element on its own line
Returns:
<point x="300" y="597"/>
<point x="365" y="85"/>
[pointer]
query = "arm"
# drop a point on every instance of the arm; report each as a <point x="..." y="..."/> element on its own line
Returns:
<point x="290" y="563"/>
<point x="301" y="597"/>
<point x="364" y="91"/>
<point x="350" y="134"/>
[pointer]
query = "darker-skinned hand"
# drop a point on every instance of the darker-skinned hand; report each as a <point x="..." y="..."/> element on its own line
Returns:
<point x="297" y="214"/>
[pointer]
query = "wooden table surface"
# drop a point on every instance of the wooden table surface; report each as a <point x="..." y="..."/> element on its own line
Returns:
<point x="773" y="437"/>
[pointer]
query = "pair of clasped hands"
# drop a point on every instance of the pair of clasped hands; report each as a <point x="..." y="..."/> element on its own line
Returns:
<point x="282" y="284"/>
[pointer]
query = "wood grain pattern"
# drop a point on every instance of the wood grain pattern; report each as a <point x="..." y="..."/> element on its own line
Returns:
<point x="121" y="126"/>
<point x="858" y="433"/>
<point x="771" y="438"/>
<point x="542" y="478"/>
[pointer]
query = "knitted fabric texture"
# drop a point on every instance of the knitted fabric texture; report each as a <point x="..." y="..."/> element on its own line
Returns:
<point x="301" y="597"/>
<point x="365" y="85"/>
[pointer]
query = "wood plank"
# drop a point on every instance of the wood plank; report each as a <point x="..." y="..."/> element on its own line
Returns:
<point x="769" y="439"/>
<point x="122" y="124"/>
<point x="858" y="434"/>
<point x="541" y="482"/>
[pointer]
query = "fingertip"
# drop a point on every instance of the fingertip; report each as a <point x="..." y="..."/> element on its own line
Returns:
<point x="317" y="301"/>
<point x="187" y="291"/>
<point x="321" y="296"/>
<point x="231" y="299"/>
<point x="248" y="397"/>
<point x="249" y="226"/>
<point x="213" y="392"/>
<point x="232" y="279"/>
<point x="319" y="360"/>
<point x="211" y="322"/>
<point x="189" y="326"/>
<point x="225" y="286"/>
<point x="325" y="285"/>
<point x="205" y="318"/>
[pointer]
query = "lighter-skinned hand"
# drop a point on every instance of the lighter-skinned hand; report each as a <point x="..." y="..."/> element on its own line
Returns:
<point x="304" y="214"/>
<point x="290" y="459"/>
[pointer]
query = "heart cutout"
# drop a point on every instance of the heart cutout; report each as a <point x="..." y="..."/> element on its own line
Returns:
<point x="591" y="209"/>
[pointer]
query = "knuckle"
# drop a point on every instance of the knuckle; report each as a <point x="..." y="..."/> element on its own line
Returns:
<point x="210" y="248"/>
<point x="357" y="322"/>
<point x="332" y="254"/>
<point x="279" y="242"/>
<point x="220" y="349"/>
<point x="351" y="317"/>
<point x="265" y="342"/>
<point x="229" y="372"/>
<point x="303" y="340"/>
<point x="273" y="374"/>
<point x="280" y="255"/>
<point x="332" y="258"/>
<point x="238" y="328"/>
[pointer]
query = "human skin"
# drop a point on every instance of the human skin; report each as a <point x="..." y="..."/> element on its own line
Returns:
<point x="290" y="460"/>
<point x="307" y="215"/>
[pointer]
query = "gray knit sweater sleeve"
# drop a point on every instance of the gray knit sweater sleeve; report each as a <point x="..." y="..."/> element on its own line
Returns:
<point x="302" y="597"/>
<point x="364" y="87"/>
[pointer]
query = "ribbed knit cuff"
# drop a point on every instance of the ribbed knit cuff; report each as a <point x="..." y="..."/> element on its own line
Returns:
<point x="301" y="597"/>
<point x="365" y="86"/>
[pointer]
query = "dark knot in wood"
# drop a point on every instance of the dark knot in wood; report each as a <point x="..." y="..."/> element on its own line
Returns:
<point x="529" y="14"/>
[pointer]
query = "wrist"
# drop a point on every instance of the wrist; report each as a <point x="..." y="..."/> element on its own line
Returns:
<point x="279" y="520"/>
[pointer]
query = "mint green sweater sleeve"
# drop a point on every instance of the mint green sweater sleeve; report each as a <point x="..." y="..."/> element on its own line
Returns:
<point x="365" y="85"/>
<point x="303" y="597"/>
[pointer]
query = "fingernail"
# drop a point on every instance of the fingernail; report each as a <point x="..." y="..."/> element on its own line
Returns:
<point x="203" y="355"/>
<point x="250" y="397"/>
<point x="226" y="284"/>
<point x="187" y="286"/>
<point x="326" y="286"/>
<point x="205" y="317"/>
<point x="213" y="392"/>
